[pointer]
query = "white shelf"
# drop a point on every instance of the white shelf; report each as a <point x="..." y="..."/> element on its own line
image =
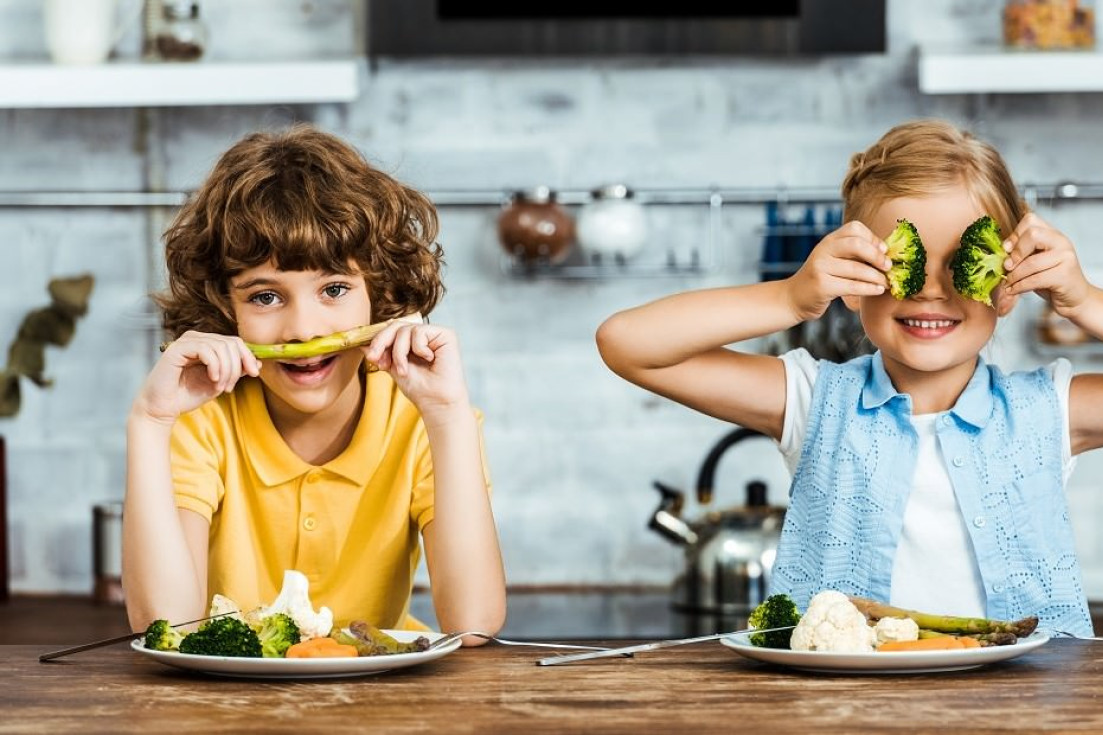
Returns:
<point x="996" y="69"/>
<point x="133" y="84"/>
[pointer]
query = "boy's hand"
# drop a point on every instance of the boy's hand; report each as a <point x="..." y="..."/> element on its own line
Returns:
<point x="1041" y="259"/>
<point x="194" y="369"/>
<point x="424" y="360"/>
<point x="850" y="261"/>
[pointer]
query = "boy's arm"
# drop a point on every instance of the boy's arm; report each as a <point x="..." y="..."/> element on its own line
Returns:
<point x="461" y="542"/>
<point x="678" y="346"/>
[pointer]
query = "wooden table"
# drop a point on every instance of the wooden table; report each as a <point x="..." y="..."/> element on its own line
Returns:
<point x="705" y="688"/>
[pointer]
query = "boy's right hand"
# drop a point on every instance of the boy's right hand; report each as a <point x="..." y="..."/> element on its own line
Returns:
<point x="850" y="261"/>
<point x="194" y="368"/>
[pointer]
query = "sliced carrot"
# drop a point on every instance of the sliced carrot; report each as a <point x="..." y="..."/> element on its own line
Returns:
<point x="941" y="643"/>
<point x="324" y="647"/>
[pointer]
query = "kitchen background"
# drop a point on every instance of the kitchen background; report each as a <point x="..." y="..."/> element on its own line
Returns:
<point x="573" y="449"/>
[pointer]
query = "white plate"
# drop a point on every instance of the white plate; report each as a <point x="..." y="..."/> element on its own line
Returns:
<point x="896" y="662"/>
<point x="301" y="668"/>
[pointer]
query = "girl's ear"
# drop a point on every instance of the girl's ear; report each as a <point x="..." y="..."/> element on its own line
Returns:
<point x="852" y="303"/>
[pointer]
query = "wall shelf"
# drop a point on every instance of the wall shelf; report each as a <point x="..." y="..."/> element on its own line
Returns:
<point x="164" y="84"/>
<point x="995" y="69"/>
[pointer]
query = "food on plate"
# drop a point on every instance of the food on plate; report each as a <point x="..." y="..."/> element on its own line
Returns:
<point x="909" y="260"/>
<point x="323" y="647"/>
<point x="371" y="641"/>
<point x="277" y="633"/>
<point x="294" y="600"/>
<point x="833" y="623"/>
<point x="977" y="264"/>
<point x="160" y="636"/>
<point x="874" y="611"/>
<point x="939" y="643"/>
<point x="895" y="630"/>
<point x="226" y="636"/>
<point x="776" y="611"/>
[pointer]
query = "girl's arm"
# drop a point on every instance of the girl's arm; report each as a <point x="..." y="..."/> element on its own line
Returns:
<point x="461" y="543"/>
<point x="677" y="346"/>
<point x="1041" y="259"/>
<point x="165" y="549"/>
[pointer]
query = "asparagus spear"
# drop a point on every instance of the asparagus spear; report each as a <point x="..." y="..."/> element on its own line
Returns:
<point x="874" y="611"/>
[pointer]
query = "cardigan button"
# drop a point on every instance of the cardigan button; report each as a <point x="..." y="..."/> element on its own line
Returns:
<point x="997" y="588"/>
<point x="959" y="461"/>
<point x="979" y="521"/>
<point x="946" y="420"/>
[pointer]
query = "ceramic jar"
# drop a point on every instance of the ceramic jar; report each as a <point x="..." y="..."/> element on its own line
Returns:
<point x="534" y="227"/>
<point x="612" y="225"/>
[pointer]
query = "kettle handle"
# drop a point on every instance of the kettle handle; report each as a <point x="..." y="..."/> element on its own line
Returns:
<point x="707" y="476"/>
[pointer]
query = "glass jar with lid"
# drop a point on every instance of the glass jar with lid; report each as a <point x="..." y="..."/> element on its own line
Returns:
<point x="612" y="224"/>
<point x="1049" y="24"/>
<point x="181" y="34"/>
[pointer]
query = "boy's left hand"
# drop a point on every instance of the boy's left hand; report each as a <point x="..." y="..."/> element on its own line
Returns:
<point x="1041" y="259"/>
<point x="424" y="360"/>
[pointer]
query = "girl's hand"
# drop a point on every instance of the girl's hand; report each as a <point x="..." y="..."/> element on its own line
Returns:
<point x="1042" y="260"/>
<point x="194" y="369"/>
<point x="424" y="361"/>
<point x="850" y="261"/>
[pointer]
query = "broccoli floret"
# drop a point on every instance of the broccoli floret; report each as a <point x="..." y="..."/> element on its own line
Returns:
<point x="977" y="264"/>
<point x="160" y="636"/>
<point x="909" y="260"/>
<point x="277" y="633"/>
<point x="222" y="637"/>
<point x="776" y="611"/>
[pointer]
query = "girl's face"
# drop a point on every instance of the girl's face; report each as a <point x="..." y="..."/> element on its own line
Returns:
<point x="937" y="330"/>
<point x="274" y="306"/>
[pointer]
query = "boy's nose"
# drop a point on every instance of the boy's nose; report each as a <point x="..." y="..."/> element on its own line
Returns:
<point x="300" y="325"/>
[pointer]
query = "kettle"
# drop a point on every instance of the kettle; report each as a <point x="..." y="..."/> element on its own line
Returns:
<point x="729" y="554"/>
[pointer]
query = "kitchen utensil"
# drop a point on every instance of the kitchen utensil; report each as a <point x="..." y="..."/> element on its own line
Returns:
<point x="107" y="553"/>
<point x="728" y="553"/>
<point x="612" y="225"/>
<point x="84" y="31"/>
<point x="1066" y="634"/>
<point x="533" y="227"/>
<point x="640" y="648"/>
<point x="121" y="638"/>
<point x="445" y="640"/>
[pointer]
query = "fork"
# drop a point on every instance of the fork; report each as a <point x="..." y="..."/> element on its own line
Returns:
<point x="444" y="641"/>
<point x="1066" y="634"/>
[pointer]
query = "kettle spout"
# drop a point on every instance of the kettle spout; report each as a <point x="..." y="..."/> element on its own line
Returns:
<point x="666" y="520"/>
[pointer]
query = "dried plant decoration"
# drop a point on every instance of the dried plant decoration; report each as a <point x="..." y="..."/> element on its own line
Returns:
<point x="51" y="325"/>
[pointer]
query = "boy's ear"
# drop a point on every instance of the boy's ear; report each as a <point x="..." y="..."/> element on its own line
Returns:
<point x="851" y="302"/>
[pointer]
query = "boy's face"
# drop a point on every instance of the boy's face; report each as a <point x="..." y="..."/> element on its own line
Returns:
<point x="937" y="329"/>
<point x="273" y="306"/>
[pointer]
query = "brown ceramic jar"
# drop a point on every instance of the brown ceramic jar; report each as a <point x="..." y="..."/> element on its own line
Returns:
<point x="533" y="227"/>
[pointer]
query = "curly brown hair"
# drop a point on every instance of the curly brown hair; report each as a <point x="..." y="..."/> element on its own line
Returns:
<point x="305" y="200"/>
<point x="919" y="157"/>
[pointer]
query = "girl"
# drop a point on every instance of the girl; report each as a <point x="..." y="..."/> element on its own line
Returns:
<point x="921" y="474"/>
<point x="239" y="469"/>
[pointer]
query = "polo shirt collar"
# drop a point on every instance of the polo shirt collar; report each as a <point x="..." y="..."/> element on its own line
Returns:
<point x="275" y="463"/>
<point x="974" y="405"/>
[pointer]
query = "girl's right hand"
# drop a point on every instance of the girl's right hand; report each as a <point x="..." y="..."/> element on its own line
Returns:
<point x="194" y="368"/>
<point x="850" y="261"/>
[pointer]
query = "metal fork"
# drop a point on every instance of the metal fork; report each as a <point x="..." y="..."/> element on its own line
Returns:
<point x="1066" y="634"/>
<point x="444" y="641"/>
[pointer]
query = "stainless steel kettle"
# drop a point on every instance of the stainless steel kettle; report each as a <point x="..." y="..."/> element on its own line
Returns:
<point x="729" y="554"/>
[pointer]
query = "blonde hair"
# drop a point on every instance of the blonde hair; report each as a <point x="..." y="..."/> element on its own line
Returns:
<point x="923" y="156"/>
<point x="306" y="200"/>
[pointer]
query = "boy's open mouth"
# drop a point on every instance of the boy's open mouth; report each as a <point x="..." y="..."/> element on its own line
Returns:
<point x="309" y="365"/>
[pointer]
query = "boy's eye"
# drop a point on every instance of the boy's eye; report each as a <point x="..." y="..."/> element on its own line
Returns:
<point x="264" y="298"/>
<point x="336" y="290"/>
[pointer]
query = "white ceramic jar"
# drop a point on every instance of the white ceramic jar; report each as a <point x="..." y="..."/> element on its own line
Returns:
<point x="612" y="225"/>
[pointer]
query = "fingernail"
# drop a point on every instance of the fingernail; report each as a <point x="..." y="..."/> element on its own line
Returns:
<point x="1007" y="245"/>
<point x="1008" y="263"/>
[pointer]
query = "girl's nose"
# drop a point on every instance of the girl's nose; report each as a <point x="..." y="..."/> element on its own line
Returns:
<point x="939" y="283"/>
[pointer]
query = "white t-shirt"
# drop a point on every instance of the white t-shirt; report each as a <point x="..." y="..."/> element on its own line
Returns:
<point x="927" y="571"/>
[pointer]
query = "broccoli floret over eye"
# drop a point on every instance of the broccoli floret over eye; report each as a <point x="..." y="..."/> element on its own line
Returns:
<point x="160" y="636"/>
<point x="277" y="633"/>
<point x="222" y="637"/>
<point x="977" y="264"/>
<point x="776" y="611"/>
<point x="909" y="260"/>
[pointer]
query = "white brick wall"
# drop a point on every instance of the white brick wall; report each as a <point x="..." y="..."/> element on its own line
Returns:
<point x="573" y="449"/>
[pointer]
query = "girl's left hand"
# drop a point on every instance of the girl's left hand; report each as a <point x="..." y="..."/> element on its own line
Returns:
<point x="424" y="360"/>
<point x="1041" y="259"/>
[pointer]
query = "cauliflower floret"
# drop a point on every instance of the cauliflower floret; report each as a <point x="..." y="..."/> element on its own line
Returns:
<point x="220" y="604"/>
<point x="832" y="623"/>
<point x="294" y="600"/>
<point x="896" y="629"/>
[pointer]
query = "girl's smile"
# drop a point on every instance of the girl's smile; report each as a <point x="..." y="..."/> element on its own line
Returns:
<point x="928" y="325"/>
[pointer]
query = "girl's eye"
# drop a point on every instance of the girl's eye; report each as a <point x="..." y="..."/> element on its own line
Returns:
<point x="336" y="290"/>
<point x="264" y="298"/>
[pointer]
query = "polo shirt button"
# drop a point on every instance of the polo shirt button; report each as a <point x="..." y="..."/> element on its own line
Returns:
<point x="946" y="420"/>
<point x="959" y="461"/>
<point x="979" y="522"/>
<point x="313" y="476"/>
<point x="309" y="523"/>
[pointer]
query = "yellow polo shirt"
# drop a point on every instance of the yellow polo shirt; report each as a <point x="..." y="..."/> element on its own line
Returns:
<point x="352" y="525"/>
